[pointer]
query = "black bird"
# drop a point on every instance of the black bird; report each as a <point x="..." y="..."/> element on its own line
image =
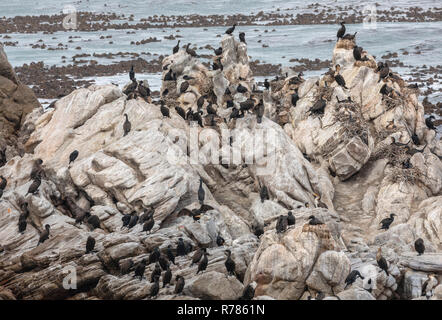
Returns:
<point x="218" y="51"/>
<point x="155" y="287"/>
<point x="1" y="193"/>
<point x="181" y="112"/>
<point x="246" y="105"/>
<point x="340" y="80"/>
<point x="258" y="230"/>
<point x="132" y="73"/>
<point x="170" y="254"/>
<point x="281" y="224"/>
<point x="126" y="266"/>
<point x="133" y="220"/>
<point x="352" y="276"/>
<point x="184" y="86"/>
<point x="190" y="51"/>
<point x="203" y="263"/>
<point x="93" y="221"/>
<point x="164" y="263"/>
<point x="387" y="222"/>
<point x="357" y="53"/>
<point x="167" y="277"/>
<point x="248" y="293"/>
<point x="230" y="264"/>
<point x="384" y="71"/>
<point x="169" y="77"/>
<point x="36" y="168"/>
<point x="73" y="156"/>
<point x="319" y="106"/>
<point x="165" y="92"/>
<point x="3" y="183"/>
<point x="415" y="139"/>
<point x="146" y="215"/>
<point x="44" y="235"/>
<point x="229" y="104"/>
<point x="241" y="89"/>
<point x="181" y="248"/>
<point x="290" y="219"/>
<point x="313" y="221"/>
<point x="126" y="219"/>
<point x="25" y="211"/>
<point x="219" y="240"/>
<point x="34" y="185"/>
<point x="127" y="125"/>
<point x="295" y="98"/>
<point x="144" y="91"/>
<point x="90" y="244"/>
<point x="197" y="117"/>
<point x="197" y="255"/>
<point x="156" y="272"/>
<point x="164" y="110"/>
<point x="382" y="263"/>
<point x="429" y="123"/>
<point x="140" y="267"/>
<point x="200" y="102"/>
<point x="179" y="285"/>
<point x="154" y="255"/>
<point x="266" y="84"/>
<point x="264" y="194"/>
<point x="2" y="157"/>
<point x="22" y="224"/>
<point x="211" y="110"/>
<point x="341" y="31"/>
<point x="242" y="37"/>
<point x="176" y="48"/>
<point x="201" y="192"/>
<point x="385" y="90"/>
<point x="231" y="29"/>
<point x="260" y="111"/>
<point x="148" y="225"/>
<point x="419" y="246"/>
<point x="234" y="114"/>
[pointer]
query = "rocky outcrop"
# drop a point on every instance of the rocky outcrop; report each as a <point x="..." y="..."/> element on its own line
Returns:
<point x="339" y="166"/>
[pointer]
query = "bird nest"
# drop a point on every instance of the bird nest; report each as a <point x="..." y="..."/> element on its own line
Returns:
<point x="326" y="92"/>
<point x="411" y="176"/>
<point x="353" y="123"/>
<point x="391" y="103"/>
<point x="395" y="155"/>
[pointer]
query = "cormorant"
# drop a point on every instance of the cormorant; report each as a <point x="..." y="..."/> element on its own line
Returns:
<point x="36" y="168"/>
<point x="219" y="240"/>
<point x="260" y="111"/>
<point x="384" y="71"/>
<point x="352" y="276"/>
<point x="430" y="124"/>
<point x="357" y="53"/>
<point x="164" y="263"/>
<point x="93" y="221"/>
<point x="350" y="36"/>
<point x="290" y="219"/>
<point x="203" y="263"/>
<point x="2" y="157"/>
<point x="146" y="215"/>
<point x="3" y="183"/>
<point x="266" y="84"/>
<point x="164" y="110"/>
<point x="22" y="224"/>
<point x="211" y="110"/>
<point x="229" y="104"/>
<point x="242" y="37"/>
<point x="73" y="156"/>
<point x="341" y="31"/>
<point x="218" y="51"/>
<point x="176" y="48"/>
<point x="144" y="91"/>
<point x="419" y="246"/>
<point x="179" y="285"/>
<point x="248" y="292"/>
<point x="201" y="192"/>
<point x="197" y="255"/>
<point x="170" y="254"/>
<point x="25" y="211"/>
<point x="234" y="114"/>
<point x="231" y="29"/>
<point x="34" y="185"/>
<point x="382" y="263"/>
<point x="200" y="102"/>
<point x="132" y="73"/>
<point x="169" y="77"/>
<point x="190" y="51"/>
<point x="126" y="266"/>
<point x="264" y="194"/>
<point x="126" y="220"/>
<point x="131" y="87"/>
<point x="338" y="78"/>
<point x="319" y="106"/>
<point x="148" y="225"/>
<point x="156" y="286"/>
<point x="295" y="98"/>
<point x="154" y="255"/>
<point x="313" y="221"/>
<point x="165" y="92"/>
<point x="247" y="105"/>
<point x="90" y="244"/>
<point x="127" y="125"/>
<point x="258" y="230"/>
<point x="241" y="89"/>
<point x="167" y="277"/>
<point x="386" y="90"/>
<point x="44" y="235"/>
<point x="230" y="264"/>
<point x="156" y="272"/>
<point x="181" y="248"/>
<point x="181" y="112"/>
<point x="184" y="86"/>
<point x="387" y="221"/>
<point x="281" y="224"/>
<point x="133" y="220"/>
<point x="415" y="139"/>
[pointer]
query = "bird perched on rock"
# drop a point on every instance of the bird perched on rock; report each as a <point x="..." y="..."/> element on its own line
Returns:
<point x="148" y="225"/>
<point x="170" y="254"/>
<point x="231" y="29"/>
<point x="179" y="285"/>
<point x="197" y="255"/>
<point x="181" y="248"/>
<point x="3" y="183"/>
<point x="313" y="221"/>
<point x="176" y="48"/>
<point x="281" y="224"/>
<point x="260" y="111"/>
<point x="415" y="139"/>
<point x="22" y="224"/>
<point x="382" y="263"/>
<point x="387" y="222"/>
<point x="201" y="192"/>
<point x="219" y="240"/>
<point x="140" y="267"/>
<point x="181" y="112"/>
<point x="127" y="125"/>
<point x="170" y="76"/>
<point x="429" y="123"/>
<point x="234" y="114"/>
<point x="126" y="220"/>
<point x="156" y="272"/>
<point x="37" y="169"/>
<point x="33" y="188"/>
<point x="143" y="91"/>
<point x="230" y="264"/>
<point x="167" y="277"/>
<point x="341" y="31"/>
<point x="203" y="263"/>
<point x="290" y="219"/>
<point x="73" y="156"/>
<point x="319" y="106"/>
<point x="2" y="157"/>
<point x="164" y="110"/>
<point x="352" y="276"/>
<point x="154" y="255"/>
<point x="242" y="37"/>
<point x="266" y="84"/>
<point x="93" y="221"/>
<point x="44" y="235"/>
<point x="257" y="230"/>
<point x="241" y="89"/>
<point x="155" y="287"/>
<point x="190" y="51"/>
<point x="126" y="266"/>
<point x="184" y="86"/>
<point x="384" y="71"/>
<point x="264" y="194"/>
<point x="246" y="105"/>
<point x="218" y="51"/>
<point x="338" y="78"/>
<point x="132" y="73"/>
<point x="148" y="213"/>
<point x="357" y="53"/>
<point x="295" y="98"/>
<point x="419" y="246"/>
<point x="90" y="244"/>
<point x="164" y="263"/>
<point x="248" y="292"/>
